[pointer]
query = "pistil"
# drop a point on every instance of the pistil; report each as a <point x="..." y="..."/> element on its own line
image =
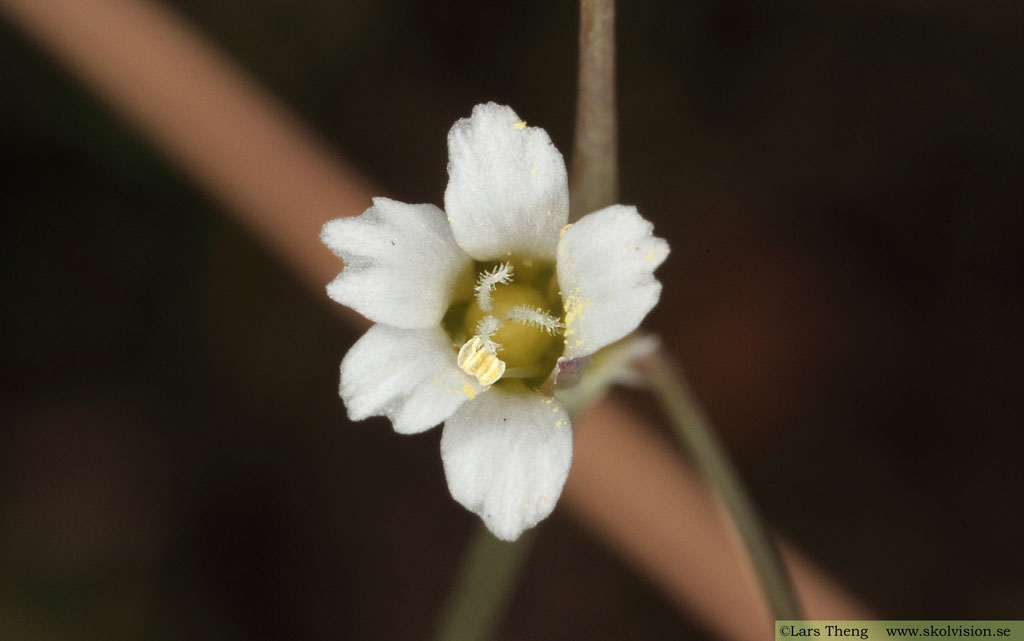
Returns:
<point x="513" y="333"/>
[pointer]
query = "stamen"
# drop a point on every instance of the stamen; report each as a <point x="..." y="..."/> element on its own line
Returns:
<point x="487" y="281"/>
<point x="485" y="329"/>
<point x="475" y="360"/>
<point x="535" y="317"/>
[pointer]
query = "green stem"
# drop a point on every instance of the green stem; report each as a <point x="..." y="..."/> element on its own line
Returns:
<point x="692" y="427"/>
<point x="484" y="585"/>
<point x="594" y="182"/>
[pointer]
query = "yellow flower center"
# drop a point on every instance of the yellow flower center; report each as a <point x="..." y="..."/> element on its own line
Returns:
<point x="509" y="329"/>
<point x="522" y="344"/>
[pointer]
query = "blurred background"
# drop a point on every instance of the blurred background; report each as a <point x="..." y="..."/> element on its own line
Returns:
<point x="841" y="187"/>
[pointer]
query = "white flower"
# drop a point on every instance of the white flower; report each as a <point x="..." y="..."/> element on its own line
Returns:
<point x="478" y="309"/>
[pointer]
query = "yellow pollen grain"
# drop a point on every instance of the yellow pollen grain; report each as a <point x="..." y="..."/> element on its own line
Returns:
<point x="573" y="311"/>
<point x="549" y="212"/>
<point x="533" y="171"/>
<point x="649" y="255"/>
<point x="520" y="125"/>
<point x="444" y="383"/>
<point x="467" y="389"/>
<point x="559" y="423"/>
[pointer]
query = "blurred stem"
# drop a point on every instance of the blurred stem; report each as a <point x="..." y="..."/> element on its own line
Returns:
<point x="694" y="430"/>
<point x="594" y="182"/>
<point x="483" y="586"/>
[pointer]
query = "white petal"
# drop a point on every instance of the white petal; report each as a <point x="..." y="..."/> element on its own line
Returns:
<point x="401" y="263"/>
<point x="408" y="375"/>
<point x="507" y="186"/>
<point x="506" y="456"/>
<point x="606" y="265"/>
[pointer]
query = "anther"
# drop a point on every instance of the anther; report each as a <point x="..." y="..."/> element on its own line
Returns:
<point x="474" y="359"/>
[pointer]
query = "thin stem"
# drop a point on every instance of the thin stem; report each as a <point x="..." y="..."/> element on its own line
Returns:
<point x="595" y="172"/>
<point x="693" y="428"/>
<point x="483" y="587"/>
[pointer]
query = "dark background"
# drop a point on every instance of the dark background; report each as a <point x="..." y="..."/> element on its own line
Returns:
<point x="841" y="187"/>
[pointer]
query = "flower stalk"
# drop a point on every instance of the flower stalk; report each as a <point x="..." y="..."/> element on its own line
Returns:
<point x="484" y="585"/>
<point x="694" y="430"/>
<point x="594" y="182"/>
